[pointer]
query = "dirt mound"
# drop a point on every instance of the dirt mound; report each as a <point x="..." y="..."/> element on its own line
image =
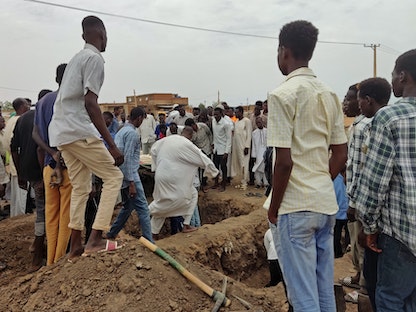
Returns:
<point x="230" y="243"/>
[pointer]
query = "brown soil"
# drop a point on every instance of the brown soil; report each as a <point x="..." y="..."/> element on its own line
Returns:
<point x="230" y="243"/>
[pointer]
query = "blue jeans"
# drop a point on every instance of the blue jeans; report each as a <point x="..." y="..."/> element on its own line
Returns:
<point x="196" y="219"/>
<point x="396" y="281"/>
<point x="138" y="203"/>
<point x="305" y="248"/>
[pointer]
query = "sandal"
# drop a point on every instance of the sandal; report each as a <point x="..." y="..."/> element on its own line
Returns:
<point x="352" y="297"/>
<point x="347" y="281"/>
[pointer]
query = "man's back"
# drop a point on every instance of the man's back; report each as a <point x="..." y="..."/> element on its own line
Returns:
<point x="70" y="121"/>
<point x="306" y="116"/>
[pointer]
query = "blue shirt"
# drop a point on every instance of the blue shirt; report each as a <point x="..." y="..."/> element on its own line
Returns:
<point x="342" y="199"/>
<point x="128" y="142"/>
<point x="43" y="116"/>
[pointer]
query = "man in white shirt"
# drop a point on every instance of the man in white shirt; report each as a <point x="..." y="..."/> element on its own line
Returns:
<point x="221" y="131"/>
<point x="73" y="129"/>
<point x="147" y="133"/>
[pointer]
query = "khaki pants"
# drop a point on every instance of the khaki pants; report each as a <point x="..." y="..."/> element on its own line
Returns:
<point x="82" y="158"/>
<point x="357" y="252"/>
<point x="57" y="203"/>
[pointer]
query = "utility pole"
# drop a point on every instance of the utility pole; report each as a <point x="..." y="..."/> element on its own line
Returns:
<point x="373" y="46"/>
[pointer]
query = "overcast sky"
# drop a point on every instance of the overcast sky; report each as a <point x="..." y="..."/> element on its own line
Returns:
<point x="149" y="58"/>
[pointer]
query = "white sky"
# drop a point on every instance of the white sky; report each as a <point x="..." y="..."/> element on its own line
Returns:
<point x="35" y="38"/>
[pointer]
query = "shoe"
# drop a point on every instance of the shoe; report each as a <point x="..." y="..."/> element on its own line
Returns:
<point x="347" y="281"/>
<point x="352" y="297"/>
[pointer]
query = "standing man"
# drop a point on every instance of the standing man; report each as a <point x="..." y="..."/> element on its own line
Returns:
<point x="147" y="133"/>
<point x="132" y="191"/>
<point x="17" y="195"/>
<point x="73" y="129"/>
<point x="305" y="121"/>
<point x="386" y="199"/>
<point x="182" y="117"/>
<point x="25" y="158"/>
<point x="241" y="147"/>
<point x="222" y="136"/>
<point x="55" y="178"/>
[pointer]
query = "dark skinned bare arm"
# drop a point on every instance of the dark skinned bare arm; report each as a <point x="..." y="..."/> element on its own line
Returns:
<point x="281" y="175"/>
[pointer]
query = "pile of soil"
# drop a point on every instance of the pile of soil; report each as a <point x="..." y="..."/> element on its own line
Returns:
<point x="230" y="243"/>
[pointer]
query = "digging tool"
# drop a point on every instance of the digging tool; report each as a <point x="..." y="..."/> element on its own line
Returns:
<point x="219" y="301"/>
<point x="215" y="295"/>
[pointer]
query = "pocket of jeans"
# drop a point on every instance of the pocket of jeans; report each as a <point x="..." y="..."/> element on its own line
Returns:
<point x="301" y="228"/>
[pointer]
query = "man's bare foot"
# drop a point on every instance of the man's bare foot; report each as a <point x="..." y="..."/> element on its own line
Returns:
<point x="221" y="189"/>
<point x="104" y="246"/>
<point x="156" y="237"/>
<point x="75" y="254"/>
<point x="215" y="186"/>
<point x="188" y="228"/>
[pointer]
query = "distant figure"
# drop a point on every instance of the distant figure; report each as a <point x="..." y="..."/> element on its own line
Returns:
<point x="147" y="134"/>
<point x="241" y="147"/>
<point x="259" y="145"/>
<point x="17" y="194"/>
<point x="73" y="129"/>
<point x="305" y="121"/>
<point x="222" y="140"/>
<point x="175" y="160"/>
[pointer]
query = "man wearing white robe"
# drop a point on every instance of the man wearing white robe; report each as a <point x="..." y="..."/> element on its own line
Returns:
<point x="175" y="160"/>
<point x="259" y="144"/>
<point x="241" y="147"/>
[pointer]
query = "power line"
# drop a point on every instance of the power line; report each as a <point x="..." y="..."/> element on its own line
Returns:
<point x="15" y="89"/>
<point x="178" y="25"/>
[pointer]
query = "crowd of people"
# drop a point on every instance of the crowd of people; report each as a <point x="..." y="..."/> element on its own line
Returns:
<point x="324" y="180"/>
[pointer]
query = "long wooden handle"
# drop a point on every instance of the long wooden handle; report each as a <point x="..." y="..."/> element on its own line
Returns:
<point x="200" y="284"/>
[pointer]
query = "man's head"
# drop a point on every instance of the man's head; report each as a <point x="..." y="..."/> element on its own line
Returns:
<point x="373" y="94"/>
<point x="229" y="111"/>
<point x="108" y="118"/>
<point x="117" y="111"/>
<point x="239" y="112"/>
<point x="173" y="127"/>
<point x="350" y="103"/>
<point x="162" y="117"/>
<point x="136" y="117"/>
<point x="210" y="110"/>
<point x="257" y="109"/>
<point x="297" y="42"/>
<point x="191" y="123"/>
<point x="265" y="107"/>
<point x="217" y="113"/>
<point x="43" y="92"/>
<point x="60" y="73"/>
<point x="259" y="103"/>
<point x="93" y="32"/>
<point x="196" y="111"/>
<point x="187" y="132"/>
<point x="259" y="122"/>
<point x="181" y="111"/>
<point x="404" y="75"/>
<point x="21" y="106"/>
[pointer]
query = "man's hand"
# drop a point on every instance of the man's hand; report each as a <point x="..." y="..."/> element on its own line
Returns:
<point x="22" y="184"/>
<point x="351" y="214"/>
<point x="132" y="190"/>
<point x="56" y="178"/>
<point x="246" y="151"/>
<point x="117" y="155"/>
<point x="371" y="241"/>
<point x="225" y="156"/>
<point x="2" y="190"/>
<point x="272" y="215"/>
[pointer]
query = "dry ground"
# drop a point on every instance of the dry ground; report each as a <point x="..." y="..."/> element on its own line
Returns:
<point x="230" y="243"/>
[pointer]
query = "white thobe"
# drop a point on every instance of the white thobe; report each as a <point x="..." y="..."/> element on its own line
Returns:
<point x="241" y="141"/>
<point x="175" y="160"/>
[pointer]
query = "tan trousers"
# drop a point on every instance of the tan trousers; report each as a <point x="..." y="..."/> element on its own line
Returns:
<point x="82" y="158"/>
<point x="57" y="203"/>
<point x="357" y="252"/>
